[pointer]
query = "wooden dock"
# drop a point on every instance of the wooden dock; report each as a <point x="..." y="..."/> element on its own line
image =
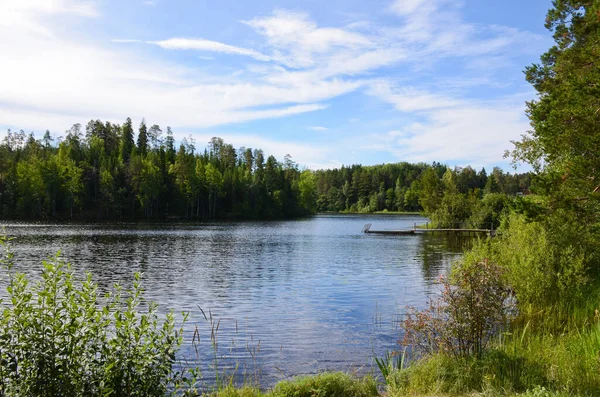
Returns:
<point x="421" y="230"/>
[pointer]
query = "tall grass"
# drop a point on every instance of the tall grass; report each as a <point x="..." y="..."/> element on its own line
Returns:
<point x="552" y="346"/>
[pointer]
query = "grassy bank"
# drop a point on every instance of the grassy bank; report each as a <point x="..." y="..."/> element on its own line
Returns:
<point x="335" y="384"/>
<point x="547" y="341"/>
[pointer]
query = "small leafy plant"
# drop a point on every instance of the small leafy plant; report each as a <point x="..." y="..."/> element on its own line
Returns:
<point x="392" y="361"/>
<point x="58" y="337"/>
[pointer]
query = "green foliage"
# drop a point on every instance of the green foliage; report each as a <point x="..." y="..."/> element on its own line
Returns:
<point x="404" y="187"/>
<point x="543" y="266"/>
<point x="565" y="116"/>
<point x="488" y="212"/>
<point x="472" y="308"/>
<point x="334" y="384"/>
<point x="104" y="175"/>
<point x="541" y="391"/>
<point x="431" y="192"/>
<point x="59" y="337"/>
<point x="327" y="385"/>
<point x="520" y="362"/>
<point x="548" y="245"/>
<point x="392" y="361"/>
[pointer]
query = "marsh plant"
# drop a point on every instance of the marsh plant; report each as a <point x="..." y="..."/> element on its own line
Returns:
<point x="59" y="337"/>
<point x="472" y="308"/>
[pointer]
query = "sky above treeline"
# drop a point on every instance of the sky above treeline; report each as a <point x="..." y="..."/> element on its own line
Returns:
<point x="328" y="82"/>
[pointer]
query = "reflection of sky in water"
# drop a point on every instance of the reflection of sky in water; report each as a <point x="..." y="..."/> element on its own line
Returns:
<point x="318" y="294"/>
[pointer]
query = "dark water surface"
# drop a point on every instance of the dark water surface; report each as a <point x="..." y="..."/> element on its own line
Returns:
<point x="292" y="297"/>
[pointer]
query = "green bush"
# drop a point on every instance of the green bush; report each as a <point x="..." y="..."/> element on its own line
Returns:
<point x="58" y="337"/>
<point x="543" y="266"/>
<point x="471" y="309"/>
<point x="489" y="211"/>
<point x="327" y="385"/>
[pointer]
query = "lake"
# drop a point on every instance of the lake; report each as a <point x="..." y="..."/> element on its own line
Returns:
<point x="292" y="297"/>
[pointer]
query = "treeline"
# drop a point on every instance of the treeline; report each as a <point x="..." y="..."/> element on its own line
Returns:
<point x="105" y="172"/>
<point x="461" y="195"/>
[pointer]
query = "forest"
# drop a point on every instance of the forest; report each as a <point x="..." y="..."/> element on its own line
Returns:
<point x="107" y="171"/>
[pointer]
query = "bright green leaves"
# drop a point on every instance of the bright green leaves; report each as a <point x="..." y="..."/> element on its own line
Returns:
<point x="59" y="337"/>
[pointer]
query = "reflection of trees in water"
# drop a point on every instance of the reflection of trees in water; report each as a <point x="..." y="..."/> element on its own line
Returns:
<point x="437" y="252"/>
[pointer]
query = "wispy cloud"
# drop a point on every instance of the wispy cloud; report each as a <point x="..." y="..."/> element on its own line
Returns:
<point x="298" y="40"/>
<point x="207" y="45"/>
<point x="453" y="129"/>
<point x="284" y="64"/>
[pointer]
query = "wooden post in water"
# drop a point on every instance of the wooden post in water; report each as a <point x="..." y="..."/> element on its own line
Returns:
<point x="415" y="228"/>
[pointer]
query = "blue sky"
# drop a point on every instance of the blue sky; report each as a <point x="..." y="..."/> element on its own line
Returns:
<point x="330" y="83"/>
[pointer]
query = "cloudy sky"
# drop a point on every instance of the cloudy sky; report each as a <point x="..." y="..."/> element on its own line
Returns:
<point x="329" y="82"/>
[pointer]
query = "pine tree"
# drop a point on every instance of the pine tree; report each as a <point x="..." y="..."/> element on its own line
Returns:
<point x="142" y="139"/>
<point x="126" y="140"/>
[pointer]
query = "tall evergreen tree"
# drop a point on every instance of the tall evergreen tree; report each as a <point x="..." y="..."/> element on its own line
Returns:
<point x="126" y="140"/>
<point x="142" y="138"/>
<point x="564" y="141"/>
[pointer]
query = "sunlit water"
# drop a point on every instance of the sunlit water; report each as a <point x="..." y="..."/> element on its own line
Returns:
<point x="292" y="297"/>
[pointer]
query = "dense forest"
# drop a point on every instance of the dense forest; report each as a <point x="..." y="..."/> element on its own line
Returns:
<point x="450" y="197"/>
<point x="108" y="171"/>
<point x="104" y="172"/>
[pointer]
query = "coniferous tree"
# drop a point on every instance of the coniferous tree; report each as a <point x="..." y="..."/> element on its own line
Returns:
<point x="142" y="138"/>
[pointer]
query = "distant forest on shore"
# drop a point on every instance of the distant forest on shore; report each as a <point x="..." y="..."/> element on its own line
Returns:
<point x="107" y="171"/>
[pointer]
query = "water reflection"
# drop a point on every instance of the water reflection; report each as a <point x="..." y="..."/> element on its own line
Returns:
<point x="293" y="297"/>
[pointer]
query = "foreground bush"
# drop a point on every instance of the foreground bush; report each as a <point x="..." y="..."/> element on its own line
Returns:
<point x="58" y="337"/>
<point x="327" y="385"/>
<point x="471" y="309"/>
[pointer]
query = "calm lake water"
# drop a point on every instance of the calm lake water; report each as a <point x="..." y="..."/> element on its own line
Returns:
<point x="292" y="297"/>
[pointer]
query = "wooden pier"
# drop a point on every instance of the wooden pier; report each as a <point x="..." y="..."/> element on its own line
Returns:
<point x="421" y="230"/>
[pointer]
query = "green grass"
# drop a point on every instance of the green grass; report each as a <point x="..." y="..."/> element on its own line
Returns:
<point x="334" y="384"/>
<point x="555" y="357"/>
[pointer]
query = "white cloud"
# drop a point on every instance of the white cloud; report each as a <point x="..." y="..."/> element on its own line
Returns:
<point x="450" y="129"/>
<point x="408" y="7"/>
<point x="206" y="45"/>
<point x="29" y="15"/>
<point x="435" y="28"/>
<point x="297" y="39"/>
<point x="318" y="128"/>
<point x="53" y="81"/>
<point x="411" y="99"/>
<point x="39" y="7"/>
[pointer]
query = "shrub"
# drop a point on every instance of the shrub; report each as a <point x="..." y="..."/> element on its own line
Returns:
<point x="472" y="307"/>
<point x="58" y="337"/>
<point x="543" y="267"/>
<point x="327" y="385"/>
<point x="489" y="211"/>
